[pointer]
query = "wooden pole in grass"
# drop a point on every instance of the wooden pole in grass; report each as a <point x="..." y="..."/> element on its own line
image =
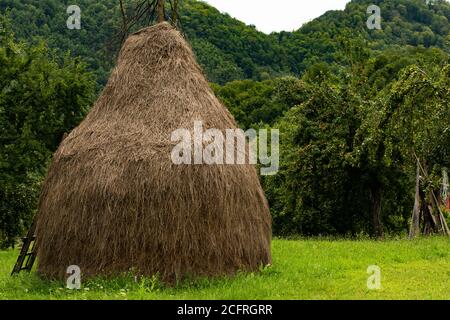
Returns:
<point x="415" y="222"/>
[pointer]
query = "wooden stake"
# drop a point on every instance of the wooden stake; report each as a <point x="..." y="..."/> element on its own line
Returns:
<point x="161" y="11"/>
<point x="175" y="12"/>
<point x="442" y="221"/>
<point x="415" y="221"/>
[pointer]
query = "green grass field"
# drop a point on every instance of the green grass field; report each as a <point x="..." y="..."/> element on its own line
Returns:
<point x="302" y="269"/>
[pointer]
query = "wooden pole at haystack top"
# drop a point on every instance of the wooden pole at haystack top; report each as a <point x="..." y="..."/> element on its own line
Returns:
<point x="175" y="12"/>
<point x="160" y="11"/>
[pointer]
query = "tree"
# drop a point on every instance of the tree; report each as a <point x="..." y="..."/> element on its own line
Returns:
<point x="42" y="97"/>
<point x="404" y="134"/>
<point x="318" y="189"/>
<point x="346" y="162"/>
<point x="421" y="99"/>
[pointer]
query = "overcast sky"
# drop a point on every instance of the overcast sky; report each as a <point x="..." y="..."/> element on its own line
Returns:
<point x="277" y="15"/>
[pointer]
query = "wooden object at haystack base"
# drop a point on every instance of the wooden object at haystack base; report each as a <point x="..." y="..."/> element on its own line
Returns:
<point x="27" y="254"/>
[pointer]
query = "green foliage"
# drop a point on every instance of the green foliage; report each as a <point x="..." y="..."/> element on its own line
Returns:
<point x="255" y="103"/>
<point x="17" y="205"/>
<point x="317" y="190"/>
<point x="411" y="120"/>
<point x="41" y="98"/>
<point x="346" y="132"/>
<point x="404" y="23"/>
<point x="221" y="69"/>
<point x="46" y="20"/>
<point x="227" y="48"/>
<point x="255" y="55"/>
<point x="355" y="135"/>
<point x="421" y="114"/>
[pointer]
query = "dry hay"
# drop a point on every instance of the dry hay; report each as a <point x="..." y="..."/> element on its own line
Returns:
<point x="114" y="202"/>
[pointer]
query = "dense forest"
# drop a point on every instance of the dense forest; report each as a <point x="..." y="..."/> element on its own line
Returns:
<point x="356" y="108"/>
<point x="227" y="48"/>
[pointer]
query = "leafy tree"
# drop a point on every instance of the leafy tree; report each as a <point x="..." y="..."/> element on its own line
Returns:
<point x="41" y="98"/>
<point x="395" y="121"/>
<point x="346" y="160"/>
<point x="253" y="103"/>
<point x="317" y="191"/>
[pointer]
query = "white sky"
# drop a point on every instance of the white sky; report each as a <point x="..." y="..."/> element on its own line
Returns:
<point x="277" y="15"/>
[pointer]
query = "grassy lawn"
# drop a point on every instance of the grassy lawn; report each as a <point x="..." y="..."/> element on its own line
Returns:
<point x="302" y="269"/>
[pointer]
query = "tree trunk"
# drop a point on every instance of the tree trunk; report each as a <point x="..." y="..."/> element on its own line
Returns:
<point x="161" y="11"/>
<point x="376" y="194"/>
<point x="415" y="221"/>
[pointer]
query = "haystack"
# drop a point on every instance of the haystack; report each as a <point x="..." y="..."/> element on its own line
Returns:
<point x="113" y="200"/>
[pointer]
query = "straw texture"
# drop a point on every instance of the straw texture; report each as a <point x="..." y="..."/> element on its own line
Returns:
<point x="114" y="202"/>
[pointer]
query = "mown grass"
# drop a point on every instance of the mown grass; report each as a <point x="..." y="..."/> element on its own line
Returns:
<point x="302" y="269"/>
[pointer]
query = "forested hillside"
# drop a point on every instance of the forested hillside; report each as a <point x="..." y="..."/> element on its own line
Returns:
<point x="404" y="23"/>
<point x="230" y="50"/>
<point x="227" y="48"/>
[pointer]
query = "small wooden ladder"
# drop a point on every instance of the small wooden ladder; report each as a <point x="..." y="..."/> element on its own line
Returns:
<point x="27" y="253"/>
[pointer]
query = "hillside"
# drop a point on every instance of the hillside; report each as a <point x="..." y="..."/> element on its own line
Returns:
<point x="404" y="23"/>
<point x="227" y="48"/>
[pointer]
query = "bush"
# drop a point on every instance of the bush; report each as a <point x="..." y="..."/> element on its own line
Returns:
<point x="17" y="207"/>
<point x="42" y="97"/>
